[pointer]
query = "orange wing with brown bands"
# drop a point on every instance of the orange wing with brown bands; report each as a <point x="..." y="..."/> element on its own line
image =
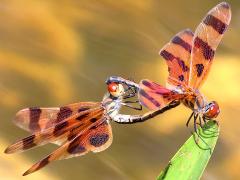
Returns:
<point x="97" y="138"/>
<point x="59" y="132"/>
<point x="38" y="119"/>
<point x="177" y="55"/>
<point x="206" y="39"/>
<point x="154" y="96"/>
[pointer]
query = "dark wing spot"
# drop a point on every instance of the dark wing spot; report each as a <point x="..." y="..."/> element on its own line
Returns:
<point x="215" y="23"/>
<point x="152" y="100"/>
<point x="200" y="68"/>
<point x="79" y="118"/>
<point x="93" y="120"/>
<point x="34" y="118"/>
<point x="28" y="142"/>
<point x="74" y="147"/>
<point x="64" y="113"/>
<point x="77" y="149"/>
<point x="208" y="52"/>
<point x="169" y="69"/>
<point x="166" y="55"/>
<point x="182" y="65"/>
<point x="181" y="78"/>
<point x="59" y="127"/>
<point x="147" y="84"/>
<point x="93" y="127"/>
<point x="177" y="40"/>
<point x="43" y="163"/>
<point x="83" y="109"/>
<point x="99" y="139"/>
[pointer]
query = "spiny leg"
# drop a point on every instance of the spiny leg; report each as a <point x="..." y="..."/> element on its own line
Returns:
<point x="195" y="122"/>
<point x="137" y="101"/>
<point x="204" y="120"/>
<point x="195" y="128"/>
<point x="198" y="133"/>
<point x="130" y="106"/>
<point x="189" y="119"/>
<point x="200" y="122"/>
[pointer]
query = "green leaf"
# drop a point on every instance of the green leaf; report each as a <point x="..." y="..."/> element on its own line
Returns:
<point x="192" y="158"/>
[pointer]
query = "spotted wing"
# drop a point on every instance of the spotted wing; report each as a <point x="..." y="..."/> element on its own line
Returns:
<point x="206" y="39"/>
<point x="97" y="138"/>
<point x="177" y="55"/>
<point x="38" y="119"/>
<point x="59" y="132"/>
<point x="154" y="96"/>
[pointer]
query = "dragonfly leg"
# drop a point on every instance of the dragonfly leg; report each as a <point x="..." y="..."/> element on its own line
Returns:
<point x="195" y="122"/>
<point x="129" y="95"/>
<point x="130" y="106"/>
<point x="137" y="101"/>
<point x="200" y="122"/>
<point x="189" y="119"/>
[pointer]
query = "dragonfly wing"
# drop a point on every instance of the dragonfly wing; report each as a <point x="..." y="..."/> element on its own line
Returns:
<point x="154" y="96"/>
<point x="206" y="39"/>
<point x="177" y="55"/>
<point x="59" y="132"/>
<point x="38" y="119"/>
<point x="97" y="138"/>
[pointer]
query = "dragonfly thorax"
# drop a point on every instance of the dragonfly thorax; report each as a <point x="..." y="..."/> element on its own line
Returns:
<point x="194" y="100"/>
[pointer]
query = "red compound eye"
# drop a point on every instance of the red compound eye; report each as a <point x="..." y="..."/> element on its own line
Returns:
<point x="213" y="111"/>
<point x="112" y="87"/>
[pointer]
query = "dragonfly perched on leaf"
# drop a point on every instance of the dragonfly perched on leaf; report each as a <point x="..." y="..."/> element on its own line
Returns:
<point x="80" y="127"/>
<point x="189" y="57"/>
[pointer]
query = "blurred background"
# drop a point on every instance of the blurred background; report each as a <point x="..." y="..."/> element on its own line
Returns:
<point x="55" y="52"/>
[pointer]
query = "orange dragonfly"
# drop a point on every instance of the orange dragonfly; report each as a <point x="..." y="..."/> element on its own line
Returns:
<point x="77" y="128"/>
<point x="189" y="57"/>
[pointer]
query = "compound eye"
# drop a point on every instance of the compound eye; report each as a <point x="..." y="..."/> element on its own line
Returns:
<point x="112" y="87"/>
<point x="213" y="110"/>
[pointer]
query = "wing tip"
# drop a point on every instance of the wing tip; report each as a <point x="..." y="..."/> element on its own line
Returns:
<point x="26" y="173"/>
<point x="225" y="5"/>
<point x="8" y="150"/>
<point x="11" y="149"/>
<point x="37" y="166"/>
<point x="188" y="31"/>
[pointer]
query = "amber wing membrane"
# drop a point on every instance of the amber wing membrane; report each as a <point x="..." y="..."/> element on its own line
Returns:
<point x="177" y="55"/>
<point x="96" y="138"/>
<point x="38" y="119"/>
<point x="206" y="39"/>
<point x="154" y="96"/>
<point x="60" y="132"/>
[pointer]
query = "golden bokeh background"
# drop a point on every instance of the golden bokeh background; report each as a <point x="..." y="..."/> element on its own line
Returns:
<point x="59" y="52"/>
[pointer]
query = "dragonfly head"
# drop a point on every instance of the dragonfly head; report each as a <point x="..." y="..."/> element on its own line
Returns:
<point x="115" y="89"/>
<point x="211" y="110"/>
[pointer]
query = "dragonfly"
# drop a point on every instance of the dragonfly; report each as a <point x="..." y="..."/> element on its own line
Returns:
<point x="77" y="128"/>
<point x="189" y="57"/>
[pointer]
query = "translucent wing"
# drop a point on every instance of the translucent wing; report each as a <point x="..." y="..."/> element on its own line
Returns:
<point x="206" y="39"/>
<point x="97" y="138"/>
<point x="177" y="55"/>
<point x="38" y="119"/>
<point x="154" y="96"/>
<point x="60" y="131"/>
